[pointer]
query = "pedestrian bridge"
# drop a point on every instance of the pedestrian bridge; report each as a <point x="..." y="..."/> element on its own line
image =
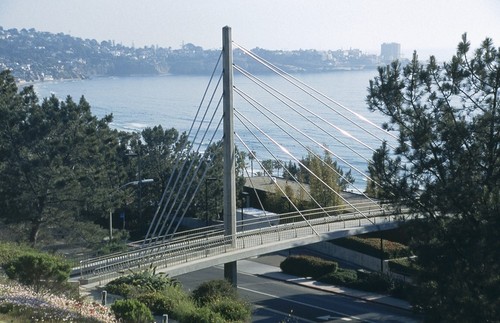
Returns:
<point x="177" y="252"/>
<point x="206" y="247"/>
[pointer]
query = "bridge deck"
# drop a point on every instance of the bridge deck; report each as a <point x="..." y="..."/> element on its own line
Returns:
<point x="205" y="249"/>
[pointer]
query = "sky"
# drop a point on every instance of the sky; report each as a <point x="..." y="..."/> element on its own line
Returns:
<point x="427" y="26"/>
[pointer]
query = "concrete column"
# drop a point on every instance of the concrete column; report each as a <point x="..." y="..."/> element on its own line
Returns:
<point x="230" y="269"/>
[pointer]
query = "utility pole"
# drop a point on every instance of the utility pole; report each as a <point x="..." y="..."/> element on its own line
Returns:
<point x="229" y="181"/>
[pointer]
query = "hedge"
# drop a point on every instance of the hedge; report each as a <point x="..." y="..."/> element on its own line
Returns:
<point x="403" y="266"/>
<point x="307" y="266"/>
<point x="371" y="247"/>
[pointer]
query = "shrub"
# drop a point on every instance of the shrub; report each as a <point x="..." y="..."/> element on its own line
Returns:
<point x="157" y="302"/>
<point x="342" y="277"/>
<point x="132" y="311"/>
<point x="202" y="314"/>
<point x="164" y="302"/>
<point x="185" y="310"/>
<point x="39" y="271"/>
<point x="307" y="266"/>
<point x="139" y="282"/>
<point x="212" y="290"/>
<point x="11" y="251"/>
<point x="232" y="310"/>
<point x="403" y="266"/>
<point x="376" y="282"/>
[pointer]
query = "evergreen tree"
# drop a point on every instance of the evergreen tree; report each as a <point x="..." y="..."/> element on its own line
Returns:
<point x="446" y="168"/>
<point x="328" y="182"/>
<point x="56" y="159"/>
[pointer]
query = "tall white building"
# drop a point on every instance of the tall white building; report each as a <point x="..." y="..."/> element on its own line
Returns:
<point x="390" y="52"/>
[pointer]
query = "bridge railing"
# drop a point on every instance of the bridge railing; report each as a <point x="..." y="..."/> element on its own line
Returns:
<point x="198" y="246"/>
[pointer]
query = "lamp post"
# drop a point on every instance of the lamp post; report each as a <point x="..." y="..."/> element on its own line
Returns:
<point x="139" y="191"/>
<point x="147" y="180"/>
<point x="206" y="197"/>
<point x="244" y="196"/>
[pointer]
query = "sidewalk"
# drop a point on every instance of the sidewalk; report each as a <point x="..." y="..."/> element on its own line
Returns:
<point x="273" y="272"/>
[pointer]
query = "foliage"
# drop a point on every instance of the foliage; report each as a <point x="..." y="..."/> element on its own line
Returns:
<point x="117" y="244"/>
<point x="375" y="282"/>
<point x="153" y="153"/>
<point x="341" y="277"/>
<point x="143" y="281"/>
<point x="403" y="266"/>
<point x="220" y="297"/>
<point x="371" y="247"/>
<point x="10" y="251"/>
<point x="39" y="271"/>
<point x="163" y="302"/>
<point x="308" y="266"/>
<point x="131" y="311"/>
<point x="325" y="272"/>
<point x="21" y="304"/>
<point x="232" y="310"/>
<point x="55" y="158"/>
<point x="199" y="314"/>
<point x="213" y="290"/>
<point x="446" y="169"/>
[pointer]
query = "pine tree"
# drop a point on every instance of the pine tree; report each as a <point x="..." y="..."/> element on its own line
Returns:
<point x="446" y="168"/>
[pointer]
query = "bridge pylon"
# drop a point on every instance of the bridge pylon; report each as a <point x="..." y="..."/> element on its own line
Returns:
<point x="229" y="180"/>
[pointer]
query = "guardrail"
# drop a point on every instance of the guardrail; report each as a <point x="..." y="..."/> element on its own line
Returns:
<point x="198" y="244"/>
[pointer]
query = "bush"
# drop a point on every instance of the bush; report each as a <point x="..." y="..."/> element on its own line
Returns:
<point x="376" y="282"/>
<point x="132" y="311"/>
<point x="342" y="277"/>
<point x="39" y="271"/>
<point x="139" y="282"/>
<point x="202" y="314"/>
<point x="403" y="266"/>
<point x="157" y="302"/>
<point x="164" y="302"/>
<point x="11" y="251"/>
<point x="184" y="310"/>
<point x="213" y="290"/>
<point x="232" y="310"/>
<point x="308" y="266"/>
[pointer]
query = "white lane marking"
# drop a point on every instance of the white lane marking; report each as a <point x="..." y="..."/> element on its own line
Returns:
<point x="305" y="304"/>
<point x="328" y="318"/>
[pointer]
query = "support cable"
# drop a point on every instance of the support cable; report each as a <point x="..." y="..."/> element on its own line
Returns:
<point x="189" y="170"/>
<point x="342" y="131"/>
<point x="279" y="187"/>
<point x="177" y="171"/>
<point x="304" y="166"/>
<point x="193" y="195"/>
<point x="255" y="104"/>
<point x="182" y="150"/>
<point x="247" y="97"/>
<point x="301" y="85"/>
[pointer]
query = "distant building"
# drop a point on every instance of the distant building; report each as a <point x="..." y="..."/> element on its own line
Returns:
<point x="390" y="52"/>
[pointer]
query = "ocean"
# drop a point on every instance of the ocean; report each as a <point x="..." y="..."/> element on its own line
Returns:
<point x="265" y="124"/>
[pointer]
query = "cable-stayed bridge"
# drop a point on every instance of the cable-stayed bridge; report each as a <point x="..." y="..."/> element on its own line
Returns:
<point x="229" y="116"/>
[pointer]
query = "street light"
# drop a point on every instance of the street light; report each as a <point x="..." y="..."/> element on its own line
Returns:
<point x="147" y="180"/>
<point x="139" y="182"/>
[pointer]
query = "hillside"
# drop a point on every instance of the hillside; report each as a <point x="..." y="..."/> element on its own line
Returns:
<point x="40" y="56"/>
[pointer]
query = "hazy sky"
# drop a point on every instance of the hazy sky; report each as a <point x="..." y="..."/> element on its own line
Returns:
<point x="428" y="26"/>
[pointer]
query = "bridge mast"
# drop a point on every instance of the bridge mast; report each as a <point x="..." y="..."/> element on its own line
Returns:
<point x="229" y="180"/>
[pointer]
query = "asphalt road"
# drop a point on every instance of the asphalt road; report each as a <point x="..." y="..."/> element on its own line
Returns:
<point x="279" y="301"/>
